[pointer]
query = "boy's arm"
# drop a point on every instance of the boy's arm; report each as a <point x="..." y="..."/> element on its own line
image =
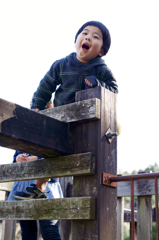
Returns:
<point x="15" y="155"/>
<point x="45" y="89"/>
<point x="108" y="81"/>
<point x="105" y="79"/>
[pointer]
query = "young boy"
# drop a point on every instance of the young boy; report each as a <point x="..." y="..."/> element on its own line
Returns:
<point x="81" y="70"/>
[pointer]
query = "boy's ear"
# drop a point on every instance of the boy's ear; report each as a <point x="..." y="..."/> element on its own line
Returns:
<point x="101" y="53"/>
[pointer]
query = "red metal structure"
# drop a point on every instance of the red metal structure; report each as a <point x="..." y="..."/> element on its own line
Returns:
<point x="110" y="180"/>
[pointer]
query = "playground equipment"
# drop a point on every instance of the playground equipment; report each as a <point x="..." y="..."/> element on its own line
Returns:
<point x="78" y="144"/>
<point x="74" y="141"/>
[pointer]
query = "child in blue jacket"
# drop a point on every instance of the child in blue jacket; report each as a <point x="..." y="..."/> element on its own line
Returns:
<point x="80" y="70"/>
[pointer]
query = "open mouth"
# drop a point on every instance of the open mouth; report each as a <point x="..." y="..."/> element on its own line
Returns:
<point x="85" y="46"/>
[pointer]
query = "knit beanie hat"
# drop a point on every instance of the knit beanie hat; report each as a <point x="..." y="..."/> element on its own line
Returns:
<point x="105" y="31"/>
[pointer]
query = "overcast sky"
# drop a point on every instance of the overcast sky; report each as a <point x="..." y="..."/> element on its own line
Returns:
<point x="35" y="33"/>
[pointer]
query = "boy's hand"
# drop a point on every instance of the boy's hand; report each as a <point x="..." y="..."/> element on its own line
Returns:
<point x="21" y="158"/>
<point x="88" y="82"/>
<point x="36" y="109"/>
<point x="31" y="158"/>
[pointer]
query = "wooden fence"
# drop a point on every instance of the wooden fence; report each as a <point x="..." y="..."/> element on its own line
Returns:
<point x="144" y="215"/>
<point x="72" y="141"/>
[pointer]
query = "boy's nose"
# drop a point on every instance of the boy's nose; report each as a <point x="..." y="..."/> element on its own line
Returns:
<point x="88" y="38"/>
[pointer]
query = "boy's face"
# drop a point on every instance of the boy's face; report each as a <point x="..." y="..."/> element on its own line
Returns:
<point x="89" y="44"/>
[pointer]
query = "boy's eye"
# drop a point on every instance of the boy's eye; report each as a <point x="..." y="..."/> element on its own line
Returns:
<point x="84" y="33"/>
<point x="95" y="37"/>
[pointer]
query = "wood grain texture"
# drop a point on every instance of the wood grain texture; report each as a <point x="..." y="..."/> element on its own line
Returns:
<point x="76" y="112"/>
<point x="120" y="218"/>
<point x="144" y="218"/>
<point x="42" y="209"/>
<point x="65" y="225"/>
<point x="91" y="137"/>
<point x="69" y="165"/>
<point x="142" y="187"/>
<point x="8" y="230"/>
<point x="31" y="132"/>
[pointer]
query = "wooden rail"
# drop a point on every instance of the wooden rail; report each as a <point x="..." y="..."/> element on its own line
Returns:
<point x="70" y="165"/>
<point x="83" y="111"/>
<point x="72" y="141"/>
<point x="60" y="208"/>
<point x="25" y="130"/>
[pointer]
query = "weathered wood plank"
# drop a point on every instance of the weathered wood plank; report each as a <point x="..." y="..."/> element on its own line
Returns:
<point x="144" y="218"/>
<point x="8" y="227"/>
<point x="120" y="218"/>
<point x="69" y="165"/>
<point x="28" y="131"/>
<point x="42" y="209"/>
<point x="8" y="230"/>
<point x="65" y="225"/>
<point x="76" y="112"/>
<point x="142" y="187"/>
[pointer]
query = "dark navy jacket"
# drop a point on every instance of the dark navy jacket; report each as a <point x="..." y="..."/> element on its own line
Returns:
<point x="68" y="74"/>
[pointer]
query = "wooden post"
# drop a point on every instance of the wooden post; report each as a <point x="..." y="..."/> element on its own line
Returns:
<point x="8" y="227"/>
<point x="144" y="218"/>
<point x="65" y="225"/>
<point x="91" y="137"/>
<point x="120" y="218"/>
<point x="8" y="230"/>
<point x="144" y="213"/>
